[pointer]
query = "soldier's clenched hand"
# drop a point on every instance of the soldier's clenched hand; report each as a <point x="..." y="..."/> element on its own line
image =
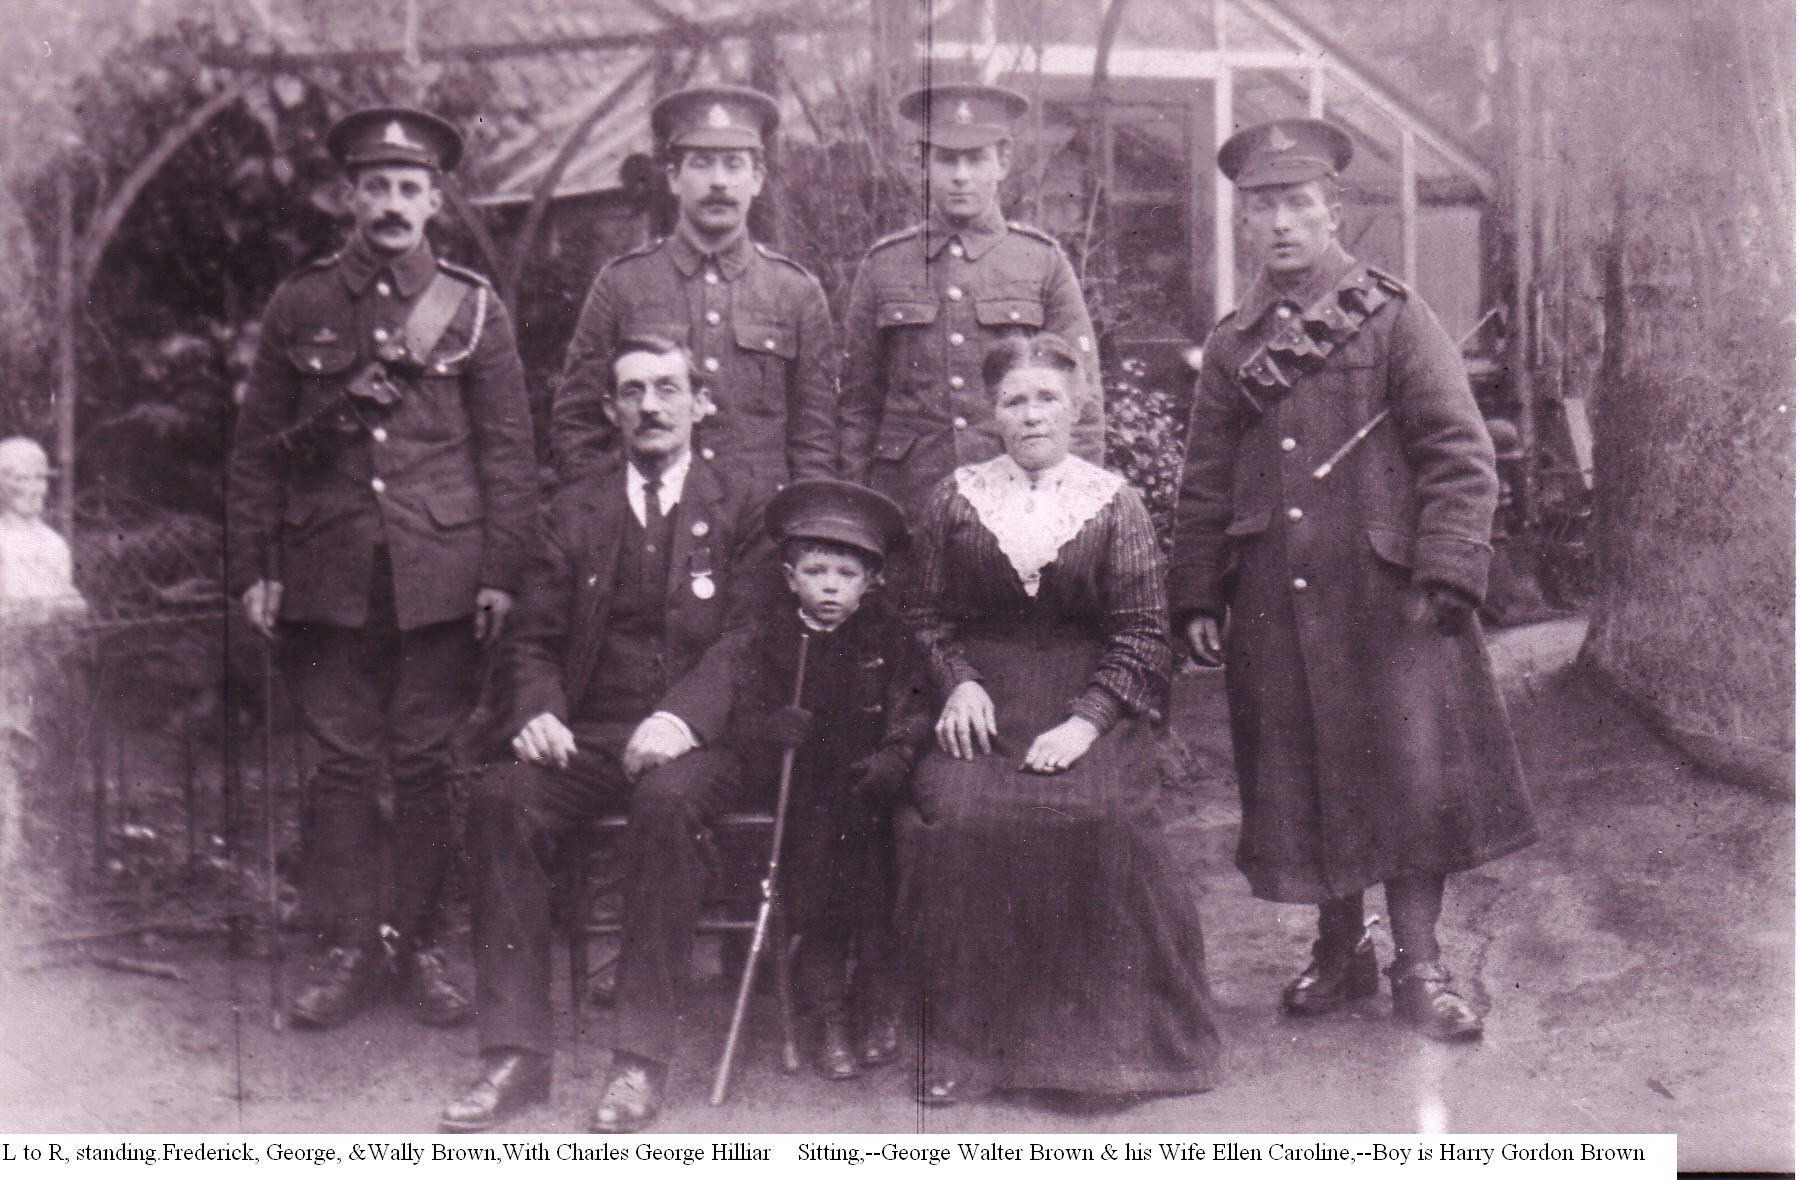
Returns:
<point x="546" y="741"/>
<point x="262" y="605"/>
<point x="1203" y="640"/>
<point x="491" y="608"/>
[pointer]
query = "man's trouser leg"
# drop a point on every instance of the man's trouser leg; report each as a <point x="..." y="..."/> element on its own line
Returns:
<point x="665" y="878"/>
<point x="519" y="818"/>
<point x="433" y="693"/>
<point x="340" y="677"/>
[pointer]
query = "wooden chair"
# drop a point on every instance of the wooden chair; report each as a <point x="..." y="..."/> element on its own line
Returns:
<point x="737" y="852"/>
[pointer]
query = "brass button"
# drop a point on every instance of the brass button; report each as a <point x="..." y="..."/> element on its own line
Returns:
<point x="899" y="315"/>
<point x="1295" y="514"/>
<point x="959" y="422"/>
<point x="706" y="453"/>
<point x="314" y="363"/>
<point x="381" y="333"/>
<point x="956" y="249"/>
<point x="1299" y="583"/>
<point x="1283" y="312"/>
<point x="713" y="317"/>
<point x="953" y="293"/>
<point x="1013" y="314"/>
<point x="956" y="383"/>
<point x="769" y="343"/>
<point x="956" y="337"/>
<point x="382" y="288"/>
<point x="379" y="434"/>
<point x="379" y="484"/>
<point x="710" y="364"/>
<point x="712" y="276"/>
<point x="1288" y="444"/>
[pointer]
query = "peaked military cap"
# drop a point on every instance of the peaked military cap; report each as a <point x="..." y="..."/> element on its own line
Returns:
<point x="394" y="135"/>
<point x="837" y="511"/>
<point x="1285" y="151"/>
<point x="963" y="115"/>
<point x="714" y="117"/>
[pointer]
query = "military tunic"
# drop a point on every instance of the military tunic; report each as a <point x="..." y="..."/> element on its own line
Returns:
<point x="926" y="305"/>
<point x="446" y="483"/>
<point x="381" y="537"/>
<point x="1368" y="744"/>
<point x="758" y="326"/>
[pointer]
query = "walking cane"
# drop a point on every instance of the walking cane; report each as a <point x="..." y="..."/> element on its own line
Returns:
<point x="277" y="1004"/>
<point x="764" y="913"/>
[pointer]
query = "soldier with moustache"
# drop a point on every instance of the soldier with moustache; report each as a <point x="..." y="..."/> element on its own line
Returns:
<point x="755" y="319"/>
<point x="651" y="555"/>
<point x="1331" y="548"/>
<point x="929" y="301"/>
<point x="380" y="509"/>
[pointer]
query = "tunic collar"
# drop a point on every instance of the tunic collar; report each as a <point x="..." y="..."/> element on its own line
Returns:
<point x="1309" y="288"/>
<point x="360" y="264"/>
<point x="977" y="235"/>
<point x="690" y="255"/>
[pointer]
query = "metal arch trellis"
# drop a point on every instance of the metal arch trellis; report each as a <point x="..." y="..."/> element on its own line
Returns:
<point x="82" y="249"/>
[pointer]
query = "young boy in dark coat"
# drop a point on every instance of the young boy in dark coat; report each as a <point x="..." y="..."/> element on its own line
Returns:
<point x="863" y="719"/>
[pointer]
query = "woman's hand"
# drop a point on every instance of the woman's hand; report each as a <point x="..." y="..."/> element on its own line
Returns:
<point x="967" y="722"/>
<point x="1057" y="749"/>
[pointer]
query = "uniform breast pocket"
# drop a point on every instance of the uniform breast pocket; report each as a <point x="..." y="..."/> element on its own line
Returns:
<point x="322" y="358"/>
<point x="323" y="368"/>
<point x="1002" y="312"/>
<point x="771" y="350"/>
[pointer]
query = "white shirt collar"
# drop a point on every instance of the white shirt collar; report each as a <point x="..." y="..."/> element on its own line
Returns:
<point x="674" y="479"/>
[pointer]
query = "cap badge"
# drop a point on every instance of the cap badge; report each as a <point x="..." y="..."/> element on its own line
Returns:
<point x="703" y="587"/>
<point x="963" y="115"/>
<point x="717" y="116"/>
<point x="1279" y="141"/>
<point x="395" y="136"/>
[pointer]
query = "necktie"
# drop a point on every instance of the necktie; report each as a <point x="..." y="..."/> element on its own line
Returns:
<point x="653" y="513"/>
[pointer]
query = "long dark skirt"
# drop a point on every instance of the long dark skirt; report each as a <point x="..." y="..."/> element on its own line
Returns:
<point x="1055" y="946"/>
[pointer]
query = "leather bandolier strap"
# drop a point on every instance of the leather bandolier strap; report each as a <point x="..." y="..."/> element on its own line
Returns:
<point x="1301" y="344"/>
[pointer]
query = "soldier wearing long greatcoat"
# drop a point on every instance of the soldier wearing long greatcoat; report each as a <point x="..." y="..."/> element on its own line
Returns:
<point x="1331" y="547"/>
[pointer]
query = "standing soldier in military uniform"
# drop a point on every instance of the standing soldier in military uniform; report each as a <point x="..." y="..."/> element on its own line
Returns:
<point x="381" y="503"/>
<point x="1331" y="547"/>
<point x="929" y="301"/>
<point x="756" y="319"/>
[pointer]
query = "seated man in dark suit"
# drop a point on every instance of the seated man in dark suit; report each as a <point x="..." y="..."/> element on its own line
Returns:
<point x="648" y="559"/>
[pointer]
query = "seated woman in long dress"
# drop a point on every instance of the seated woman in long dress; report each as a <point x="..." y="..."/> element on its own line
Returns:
<point x="1055" y="946"/>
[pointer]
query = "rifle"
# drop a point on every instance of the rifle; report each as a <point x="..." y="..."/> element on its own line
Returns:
<point x="770" y="899"/>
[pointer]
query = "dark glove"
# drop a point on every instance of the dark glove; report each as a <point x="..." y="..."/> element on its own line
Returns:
<point x="789" y="724"/>
<point x="1448" y="610"/>
<point x="879" y="778"/>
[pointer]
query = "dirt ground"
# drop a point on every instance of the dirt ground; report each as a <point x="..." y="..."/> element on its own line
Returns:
<point x="1635" y="965"/>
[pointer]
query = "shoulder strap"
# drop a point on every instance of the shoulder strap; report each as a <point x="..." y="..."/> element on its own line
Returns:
<point x="432" y="314"/>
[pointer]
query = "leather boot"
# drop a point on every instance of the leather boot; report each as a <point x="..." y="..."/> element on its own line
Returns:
<point x="430" y="994"/>
<point x="632" y="1098"/>
<point x="835" y="1060"/>
<point x="1424" y="999"/>
<point x="510" y="1081"/>
<point x="1334" y="977"/>
<point x="345" y="983"/>
<point x="880" y="1038"/>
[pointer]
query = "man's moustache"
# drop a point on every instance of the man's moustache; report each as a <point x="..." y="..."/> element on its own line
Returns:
<point x="393" y="223"/>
